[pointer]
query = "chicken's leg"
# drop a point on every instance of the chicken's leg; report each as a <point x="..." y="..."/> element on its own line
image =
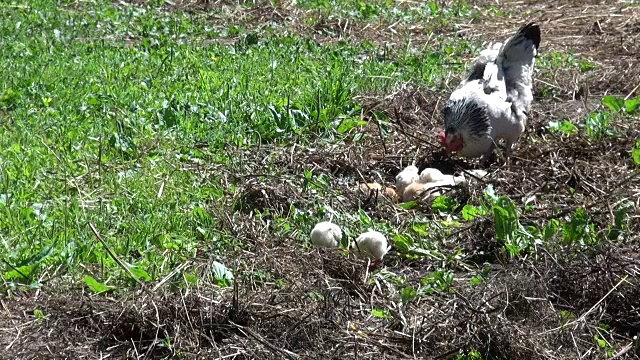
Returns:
<point x="507" y="154"/>
<point x="488" y="157"/>
<point x="485" y="160"/>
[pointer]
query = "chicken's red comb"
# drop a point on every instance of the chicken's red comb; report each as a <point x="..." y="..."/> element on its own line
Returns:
<point x="443" y="137"/>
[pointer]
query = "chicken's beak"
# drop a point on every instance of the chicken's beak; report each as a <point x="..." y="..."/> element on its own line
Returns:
<point x="453" y="144"/>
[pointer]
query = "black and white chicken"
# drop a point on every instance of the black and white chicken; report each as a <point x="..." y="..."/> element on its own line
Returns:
<point x="493" y="101"/>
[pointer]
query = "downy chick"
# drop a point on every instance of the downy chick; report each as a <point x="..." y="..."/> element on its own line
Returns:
<point x="372" y="244"/>
<point x="430" y="175"/>
<point x="413" y="191"/>
<point x="447" y="180"/>
<point x="431" y="187"/>
<point x="405" y="178"/>
<point x="326" y="235"/>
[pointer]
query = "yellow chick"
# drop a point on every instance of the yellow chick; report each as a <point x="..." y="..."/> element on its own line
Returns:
<point x="413" y="191"/>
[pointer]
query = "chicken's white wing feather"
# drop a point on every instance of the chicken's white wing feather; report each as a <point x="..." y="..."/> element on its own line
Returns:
<point x="486" y="56"/>
<point x="516" y="60"/>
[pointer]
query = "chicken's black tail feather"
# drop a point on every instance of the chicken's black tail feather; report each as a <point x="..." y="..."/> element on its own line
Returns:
<point x="531" y="31"/>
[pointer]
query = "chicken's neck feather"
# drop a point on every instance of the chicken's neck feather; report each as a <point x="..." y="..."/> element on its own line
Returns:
<point x="467" y="117"/>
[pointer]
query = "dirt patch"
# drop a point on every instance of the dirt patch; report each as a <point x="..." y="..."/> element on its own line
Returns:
<point x="325" y="312"/>
<point x="604" y="35"/>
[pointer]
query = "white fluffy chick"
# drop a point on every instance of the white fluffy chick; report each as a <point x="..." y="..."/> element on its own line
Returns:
<point x="430" y="175"/>
<point x="372" y="244"/>
<point x="447" y="180"/>
<point x="326" y="235"/>
<point x="406" y="177"/>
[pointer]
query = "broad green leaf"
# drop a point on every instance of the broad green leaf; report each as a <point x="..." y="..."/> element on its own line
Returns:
<point x="579" y="229"/>
<point x="350" y="123"/>
<point x="501" y="218"/>
<point x="408" y="205"/>
<point x="620" y="216"/>
<point x="505" y="217"/>
<point x="20" y="273"/>
<point x="364" y="218"/>
<point x="345" y="242"/>
<point x="440" y="280"/>
<point x="39" y="314"/>
<point x="635" y="153"/>
<point x="586" y="66"/>
<point x="408" y="294"/>
<point x="551" y="229"/>
<point x="95" y="286"/>
<point x="224" y="276"/>
<point x="140" y="273"/>
<point x="470" y="212"/>
<point x="565" y="127"/>
<point x="614" y="103"/>
<point x="382" y="314"/>
<point x="444" y="204"/>
<point x="530" y="230"/>
<point x="597" y="124"/>
<point x="402" y="242"/>
<point x="420" y="228"/>
<point x="37" y="258"/>
<point x="190" y="278"/>
<point x="92" y="100"/>
<point x="631" y="105"/>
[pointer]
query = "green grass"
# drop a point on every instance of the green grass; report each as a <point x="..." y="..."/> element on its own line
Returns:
<point x="103" y="106"/>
